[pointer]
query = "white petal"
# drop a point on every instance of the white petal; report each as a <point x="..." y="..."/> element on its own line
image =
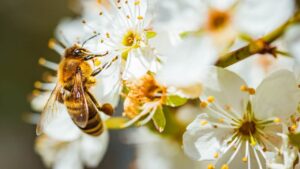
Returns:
<point x="255" y="68"/>
<point x="178" y="15"/>
<point x="199" y="138"/>
<point x="138" y="63"/>
<point x="276" y="96"/>
<point x="93" y="148"/>
<point x="224" y="86"/>
<point x="58" y="154"/>
<point x="38" y="102"/>
<point x="186" y="63"/>
<point x="257" y="17"/>
<point x="221" y="4"/>
<point x="166" y="153"/>
<point x="237" y="159"/>
<point x="68" y="157"/>
<point x="292" y="38"/>
<point x="62" y="127"/>
<point x="107" y="87"/>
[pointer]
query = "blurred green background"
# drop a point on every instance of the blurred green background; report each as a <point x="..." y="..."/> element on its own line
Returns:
<point x="26" y="26"/>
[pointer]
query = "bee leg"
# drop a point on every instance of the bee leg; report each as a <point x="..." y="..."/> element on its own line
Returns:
<point x="106" y="65"/>
<point x="105" y="108"/>
<point x="89" y="57"/>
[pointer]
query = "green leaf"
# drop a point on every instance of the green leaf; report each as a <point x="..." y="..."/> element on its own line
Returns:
<point x="295" y="139"/>
<point x="175" y="101"/>
<point x="150" y="34"/>
<point x="116" y="123"/>
<point x="159" y="119"/>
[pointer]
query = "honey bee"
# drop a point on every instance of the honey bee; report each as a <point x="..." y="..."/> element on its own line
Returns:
<point x="75" y="77"/>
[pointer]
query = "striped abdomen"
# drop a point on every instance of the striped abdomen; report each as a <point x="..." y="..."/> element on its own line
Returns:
<point x="94" y="125"/>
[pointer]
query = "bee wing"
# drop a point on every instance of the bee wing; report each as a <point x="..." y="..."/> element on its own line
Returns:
<point x="50" y="111"/>
<point x="78" y="99"/>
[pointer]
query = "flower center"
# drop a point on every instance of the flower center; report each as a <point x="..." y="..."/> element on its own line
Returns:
<point x="217" y="20"/>
<point x="247" y="128"/>
<point x="144" y="90"/>
<point x="130" y="38"/>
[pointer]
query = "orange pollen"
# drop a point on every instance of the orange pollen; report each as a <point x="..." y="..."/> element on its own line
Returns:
<point x="141" y="91"/>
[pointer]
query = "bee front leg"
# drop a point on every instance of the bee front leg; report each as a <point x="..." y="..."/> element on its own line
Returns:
<point x="105" y="66"/>
<point x="89" y="57"/>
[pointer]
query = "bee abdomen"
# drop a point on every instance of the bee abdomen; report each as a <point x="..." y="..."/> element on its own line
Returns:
<point x="94" y="126"/>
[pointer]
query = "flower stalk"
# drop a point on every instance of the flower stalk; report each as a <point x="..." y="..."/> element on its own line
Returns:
<point x="261" y="45"/>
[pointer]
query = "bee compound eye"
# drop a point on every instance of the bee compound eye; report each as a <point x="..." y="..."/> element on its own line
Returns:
<point x="77" y="52"/>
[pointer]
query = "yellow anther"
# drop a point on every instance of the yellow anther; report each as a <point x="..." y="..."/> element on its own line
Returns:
<point x="97" y="62"/>
<point x="252" y="141"/>
<point x="216" y="155"/>
<point x="244" y="88"/>
<point x="128" y="17"/>
<point x="210" y="166"/>
<point x="51" y="43"/>
<point x="251" y="91"/>
<point x="37" y="84"/>
<point x="101" y="13"/>
<point x="244" y="159"/>
<point x="293" y="128"/>
<point x="137" y="2"/>
<point x="277" y="120"/>
<point x="211" y="99"/>
<point x="107" y="35"/>
<point x="203" y="104"/>
<point x="35" y="92"/>
<point x="204" y="122"/>
<point x="221" y="120"/>
<point x="101" y="41"/>
<point x="140" y="17"/>
<point x="42" y="61"/>
<point x="225" y="166"/>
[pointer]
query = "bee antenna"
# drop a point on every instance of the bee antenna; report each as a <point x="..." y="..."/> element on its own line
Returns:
<point x="90" y="38"/>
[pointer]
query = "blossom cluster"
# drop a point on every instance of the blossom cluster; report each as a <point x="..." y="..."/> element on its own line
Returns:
<point x="209" y="83"/>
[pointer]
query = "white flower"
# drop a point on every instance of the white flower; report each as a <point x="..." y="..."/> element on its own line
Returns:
<point x="255" y="68"/>
<point x="239" y="125"/>
<point x="154" y="151"/>
<point x="223" y="20"/>
<point x="185" y="64"/>
<point x="84" y="151"/>
<point x="291" y="38"/>
<point x="127" y="37"/>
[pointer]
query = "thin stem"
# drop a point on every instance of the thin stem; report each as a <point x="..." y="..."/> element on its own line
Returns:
<point x="256" y="46"/>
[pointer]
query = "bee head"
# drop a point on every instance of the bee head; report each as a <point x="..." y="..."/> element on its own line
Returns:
<point x="76" y="51"/>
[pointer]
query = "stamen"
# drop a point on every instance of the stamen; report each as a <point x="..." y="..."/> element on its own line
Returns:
<point x="52" y="44"/>
<point x="210" y="166"/>
<point x="140" y="17"/>
<point x="277" y="120"/>
<point x="211" y="99"/>
<point x="137" y="2"/>
<point x="48" y="64"/>
<point x="203" y="104"/>
<point x="203" y="122"/>
<point x="216" y="155"/>
<point x="225" y="166"/>
<point x="251" y="91"/>
<point x="97" y="62"/>
<point x="244" y="88"/>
